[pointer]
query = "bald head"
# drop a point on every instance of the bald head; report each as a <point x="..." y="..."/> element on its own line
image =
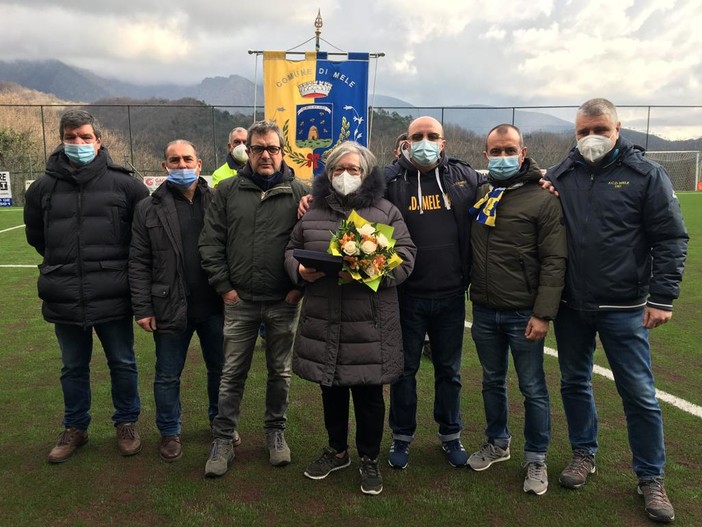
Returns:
<point x="426" y="137"/>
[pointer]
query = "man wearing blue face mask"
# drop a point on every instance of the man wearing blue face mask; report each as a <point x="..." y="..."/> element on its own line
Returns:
<point x="519" y="258"/>
<point x="78" y="217"/>
<point x="433" y="193"/>
<point x="170" y="293"/>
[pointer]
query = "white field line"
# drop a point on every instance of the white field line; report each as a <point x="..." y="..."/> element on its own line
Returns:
<point x="17" y="266"/>
<point x="12" y="228"/>
<point x="680" y="404"/>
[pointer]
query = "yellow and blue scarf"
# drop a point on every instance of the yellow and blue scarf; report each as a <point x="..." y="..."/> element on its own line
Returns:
<point x="488" y="213"/>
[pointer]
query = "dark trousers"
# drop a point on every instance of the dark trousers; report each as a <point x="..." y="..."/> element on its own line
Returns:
<point x="369" y="408"/>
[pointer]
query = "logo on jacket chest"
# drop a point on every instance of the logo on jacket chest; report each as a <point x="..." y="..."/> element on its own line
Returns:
<point x="618" y="184"/>
<point x="430" y="202"/>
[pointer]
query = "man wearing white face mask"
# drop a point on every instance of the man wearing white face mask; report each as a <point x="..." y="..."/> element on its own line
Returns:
<point x="236" y="157"/>
<point x="433" y="192"/>
<point x="519" y="258"/>
<point x="78" y="217"/>
<point x="627" y="245"/>
<point x="170" y="293"/>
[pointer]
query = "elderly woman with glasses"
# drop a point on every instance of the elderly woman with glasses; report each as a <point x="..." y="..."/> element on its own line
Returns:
<point x="349" y="340"/>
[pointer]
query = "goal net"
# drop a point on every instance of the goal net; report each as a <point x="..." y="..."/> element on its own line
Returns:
<point x="682" y="166"/>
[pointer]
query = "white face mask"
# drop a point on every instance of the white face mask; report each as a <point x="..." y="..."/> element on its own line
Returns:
<point x="594" y="147"/>
<point x="239" y="153"/>
<point x="345" y="183"/>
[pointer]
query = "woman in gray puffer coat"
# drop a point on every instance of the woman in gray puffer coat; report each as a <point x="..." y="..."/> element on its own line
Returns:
<point x="349" y="338"/>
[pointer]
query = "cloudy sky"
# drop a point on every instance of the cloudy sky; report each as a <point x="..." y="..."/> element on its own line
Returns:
<point x="447" y="52"/>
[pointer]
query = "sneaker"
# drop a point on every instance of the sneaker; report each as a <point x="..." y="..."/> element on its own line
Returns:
<point x="656" y="502"/>
<point x="236" y="439"/>
<point x="580" y="467"/>
<point x="536" y="480"/>
<point x="371" y="480"/>
<point x="486" y="455"/>
<point x="328" y="463"/>
<point x="277" y="448"/>
<point x="455" y="453"/>
<point x="221" y="455"/>
<point x="128" y="440"/>
<point x="170" y="449"/>
<point x="70" y="440"/>
<point x="398" y="457"/>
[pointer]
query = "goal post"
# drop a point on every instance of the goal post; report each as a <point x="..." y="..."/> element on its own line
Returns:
<point x="683" y="167"/>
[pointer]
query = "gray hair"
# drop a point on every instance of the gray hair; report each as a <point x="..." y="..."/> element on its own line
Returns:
<point x="177" y="141"/>
<point x="597" y="107"/>
<point x="264" y="128"/>
<point x="76" y="119"/>
<point x="234" y="131"/>
<point x="367" y="160"/>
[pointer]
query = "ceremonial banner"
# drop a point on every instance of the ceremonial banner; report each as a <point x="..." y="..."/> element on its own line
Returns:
<point x="318" y="103"/>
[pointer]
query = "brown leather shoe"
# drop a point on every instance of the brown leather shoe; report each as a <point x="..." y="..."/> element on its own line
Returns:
<point x="170" y="449"/>
<point x="68" y="442"/>
<point x="128" y="440"/>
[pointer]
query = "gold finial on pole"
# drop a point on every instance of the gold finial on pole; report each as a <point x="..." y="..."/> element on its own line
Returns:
<point x="318" y="28"/>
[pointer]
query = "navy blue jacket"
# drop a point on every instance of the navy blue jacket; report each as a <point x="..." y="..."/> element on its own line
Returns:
<point x="627" y="242"/>
<point x="459" y="181"/>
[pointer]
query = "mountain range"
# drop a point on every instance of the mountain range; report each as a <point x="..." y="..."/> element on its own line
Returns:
<point x="80" y="85"/>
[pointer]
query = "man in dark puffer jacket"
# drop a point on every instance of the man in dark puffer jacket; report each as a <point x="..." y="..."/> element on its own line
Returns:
<point x="78" y="217"/>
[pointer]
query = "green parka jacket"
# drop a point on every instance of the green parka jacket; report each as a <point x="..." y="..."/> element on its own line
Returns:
<point x="519" y="264"/>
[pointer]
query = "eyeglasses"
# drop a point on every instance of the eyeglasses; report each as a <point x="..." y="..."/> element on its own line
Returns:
<point x="432" y="136"/>
<point x="271" y="149"/>
<point x="354" y="171"/>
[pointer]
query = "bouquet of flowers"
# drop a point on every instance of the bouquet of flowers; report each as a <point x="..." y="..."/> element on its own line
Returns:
<point x="367" y="249"/>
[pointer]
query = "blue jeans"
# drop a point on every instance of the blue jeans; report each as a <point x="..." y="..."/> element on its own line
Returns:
<point x="443" y="319"/>
<point x="76" y="343"/>
<point x="171" y="352"/>
<point x="625" y="342"/>
<point x="495" y="333"/>
<point x="241" y="323"/>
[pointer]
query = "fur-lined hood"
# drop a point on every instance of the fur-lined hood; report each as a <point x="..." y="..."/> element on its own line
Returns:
<point x="371" y="190"/>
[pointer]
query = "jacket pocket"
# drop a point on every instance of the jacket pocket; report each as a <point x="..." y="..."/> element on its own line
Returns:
<point x="160" y="290"/>
<point x="46" y="269"/>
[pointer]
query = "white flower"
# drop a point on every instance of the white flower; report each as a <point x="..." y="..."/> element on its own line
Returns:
<point x="350" y="248"/>
<point x="369" y="247"/>
<point x="382" y="241"/>
<point x="366" y="230"/>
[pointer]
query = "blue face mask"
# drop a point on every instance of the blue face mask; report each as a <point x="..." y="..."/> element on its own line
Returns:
<point x="182" y="177"/>
<point x="79" y="154"/>
<point x="425" y="153"/>
<point x="502" y="168"/>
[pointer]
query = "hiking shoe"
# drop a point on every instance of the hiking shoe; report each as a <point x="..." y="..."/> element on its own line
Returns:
<point x="486" y="455"/>
<point x="656" y="502"/>
<point x="371" y="480"/>
<point x="455" y="453"/>
<point x="70" y="440"/>
<point x="580" y="467"/>
<point x="128" y="440"/>
<point x="170" y="449"/>
<point x="398" y="457"/>
<point x="236" y="439"/>
<point x="536" y="480"/>
<point x="328" y="463"/>
<point x="277" y="448"/>
<point x="221" y="455"/>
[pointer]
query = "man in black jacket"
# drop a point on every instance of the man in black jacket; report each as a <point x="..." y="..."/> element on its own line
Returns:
<point x="627" y="245"/>
<point x="433" y="193"/>
<point x="78" y="217"/>
<point x="170" y="294"/>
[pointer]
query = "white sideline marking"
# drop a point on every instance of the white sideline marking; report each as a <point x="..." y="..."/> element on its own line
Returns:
<point x="12" y="228"/>
<point x="9" y="266"/>
<point x="680" y="404"/>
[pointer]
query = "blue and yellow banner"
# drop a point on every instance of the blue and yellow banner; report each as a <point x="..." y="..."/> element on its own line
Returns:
<point x="318" y="103"/>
